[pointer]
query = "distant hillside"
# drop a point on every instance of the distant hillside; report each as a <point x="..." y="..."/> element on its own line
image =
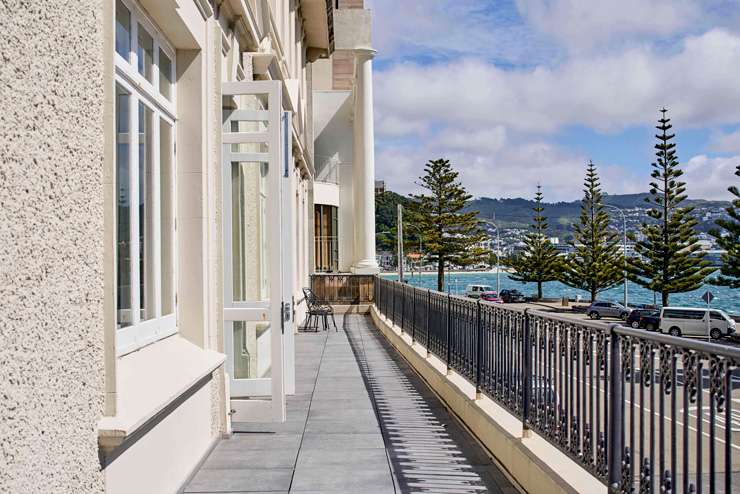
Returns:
<point x="517" y="212"/>
<point x="386" y="215"/>
<point x="513" y="213"/>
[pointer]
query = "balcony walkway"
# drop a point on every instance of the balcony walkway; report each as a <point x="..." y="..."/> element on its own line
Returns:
<point x="361" y="422"/>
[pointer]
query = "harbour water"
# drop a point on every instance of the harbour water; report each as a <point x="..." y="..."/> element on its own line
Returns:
<point x="727" y="299"/>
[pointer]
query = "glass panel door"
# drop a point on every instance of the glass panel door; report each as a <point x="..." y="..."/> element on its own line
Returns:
<point x="254" y="252"/>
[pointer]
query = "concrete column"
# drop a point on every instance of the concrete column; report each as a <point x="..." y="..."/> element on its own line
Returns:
<point x="364" y="166"/>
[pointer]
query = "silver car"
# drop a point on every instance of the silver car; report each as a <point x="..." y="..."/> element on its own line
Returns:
<point x="597" y="310"/>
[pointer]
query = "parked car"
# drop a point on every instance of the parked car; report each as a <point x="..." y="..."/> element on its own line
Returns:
<point x="597" y="310"/>
<point x="512" y="296"/>
<point x="650" y="321"/>
<point x="475" y="291"/>
<point x="635" y="316"/>
<point x="491" y="297"/>
<point x="691" y="321"/>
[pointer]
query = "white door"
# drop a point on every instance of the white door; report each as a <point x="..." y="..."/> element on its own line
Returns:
<point x="258" y="333"/>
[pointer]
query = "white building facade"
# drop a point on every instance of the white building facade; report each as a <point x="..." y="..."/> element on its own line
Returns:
<point x="173" y="171"/>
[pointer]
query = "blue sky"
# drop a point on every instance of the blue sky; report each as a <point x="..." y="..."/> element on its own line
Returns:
<point x="516" y="92"/>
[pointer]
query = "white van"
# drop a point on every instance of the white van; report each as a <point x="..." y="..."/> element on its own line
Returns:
<point x="689" y="321"/>
<point x="475" y="291"/>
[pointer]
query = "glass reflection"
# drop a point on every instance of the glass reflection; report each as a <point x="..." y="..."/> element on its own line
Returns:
<point x="123" y="210"/>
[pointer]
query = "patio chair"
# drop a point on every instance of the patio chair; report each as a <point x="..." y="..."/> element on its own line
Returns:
<point x="317" y="309"/>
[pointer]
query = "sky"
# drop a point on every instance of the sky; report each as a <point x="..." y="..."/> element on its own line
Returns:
<point x="516" y="92"/>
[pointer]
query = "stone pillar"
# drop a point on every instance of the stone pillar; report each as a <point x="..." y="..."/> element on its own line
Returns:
<point x="364" y="166"/>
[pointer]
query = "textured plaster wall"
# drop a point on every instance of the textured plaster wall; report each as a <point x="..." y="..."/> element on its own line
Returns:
<point x="51" y="250"/>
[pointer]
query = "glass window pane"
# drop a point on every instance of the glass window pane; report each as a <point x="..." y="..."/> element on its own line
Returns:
<point x="165" y="74"/>
<point x="123" y="30"/>
<point x="325" y="241"/>
<point x="250" y="258"/>
<point x="167" y="220"/>
<point x="123" y="210"/>
<point x="145" y="53"/>
<point x="146" y="215"/>
<point x="251" y="349"/>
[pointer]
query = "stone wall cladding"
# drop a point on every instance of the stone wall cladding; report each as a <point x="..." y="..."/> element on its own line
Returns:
<point x="51" y="245"/>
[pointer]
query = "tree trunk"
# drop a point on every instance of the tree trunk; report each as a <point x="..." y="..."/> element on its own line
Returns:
<point x="539" y="290"/>
<point x="664" y="297"/>
<point x="593" y="294"/>
<point x="440" y="275"/>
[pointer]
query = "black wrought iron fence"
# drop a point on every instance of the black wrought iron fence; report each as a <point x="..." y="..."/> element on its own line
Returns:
<point x="642" y="411"/>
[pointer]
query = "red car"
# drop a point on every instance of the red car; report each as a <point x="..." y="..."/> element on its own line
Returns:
<point x="491" y="297"/>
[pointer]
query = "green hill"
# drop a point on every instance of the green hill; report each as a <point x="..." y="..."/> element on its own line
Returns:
<point x="517" y="213"/>
<point x="386" y="214"/>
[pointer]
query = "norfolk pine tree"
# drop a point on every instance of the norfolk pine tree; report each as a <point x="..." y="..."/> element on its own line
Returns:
<point x="668" y="258"/>
<point x="539" y="262"/>
<point x="596" y="264"/>
<point x="728" y="238"/>
<point x="449" y="234"/>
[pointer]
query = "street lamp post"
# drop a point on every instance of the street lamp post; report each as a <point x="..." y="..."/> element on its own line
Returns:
<point x="399" y="234"/>
<point x="498" y="260"/>
<point x="421" y="251"/>
<point x="624" y="246"/>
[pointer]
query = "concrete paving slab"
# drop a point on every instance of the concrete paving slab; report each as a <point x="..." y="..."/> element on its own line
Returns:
<point x="330" y="478"/>
<point x="241" y="480"/>
<point x="343" y="413"/>
<point x="261" y="441"/>
<point x="361" y="422"/>
<point x="343" y="426"/>
<point x="362" y="402"/>
<point x="342" y="441"/>
<point x="222" y="458"/>
<point x="360" y="457"/>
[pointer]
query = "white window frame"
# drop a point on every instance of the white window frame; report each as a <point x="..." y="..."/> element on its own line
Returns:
<point x="128" y="69"/>
<point x="140" y="333"/>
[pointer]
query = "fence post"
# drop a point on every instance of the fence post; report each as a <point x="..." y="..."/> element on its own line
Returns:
<point x="429" y="308"/>
<point x="616" y="424"/>
<point x="403" y="306"/>
<point x="376" y="289"/>
<point x="448" y="353"/>
<point x="479" y="351"/>
<point x="526" y="373"/>
<point x="413" y="316"/>
<point x="393" y="303"/>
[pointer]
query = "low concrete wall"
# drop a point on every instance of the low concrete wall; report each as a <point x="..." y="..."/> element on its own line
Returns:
<point x="534" y="464"/>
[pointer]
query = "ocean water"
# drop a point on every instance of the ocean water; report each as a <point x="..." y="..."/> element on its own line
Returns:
<point x="726" y="298"/>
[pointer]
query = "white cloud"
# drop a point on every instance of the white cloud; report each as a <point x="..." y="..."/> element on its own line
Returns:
<point x="478" y="83"/>
<point x="516" y="170"/>
<point x="582" y="25"/>
<point x="483" y="140"/>
<point x="393" y="125"/>
<point x="448" y="28"/>
<point x="513" y="171"/>
<point x="605" y="93"/>
<point x="708" y="178"/>
<point x="726" y="143"/>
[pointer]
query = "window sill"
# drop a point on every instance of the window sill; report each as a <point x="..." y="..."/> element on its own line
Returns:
<point x="150" y="381"/>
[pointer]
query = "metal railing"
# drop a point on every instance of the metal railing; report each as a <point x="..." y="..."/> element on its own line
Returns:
<point x="643" y="412"/>
<point x="328" y="171"/>
<point x="343" y="288"/>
